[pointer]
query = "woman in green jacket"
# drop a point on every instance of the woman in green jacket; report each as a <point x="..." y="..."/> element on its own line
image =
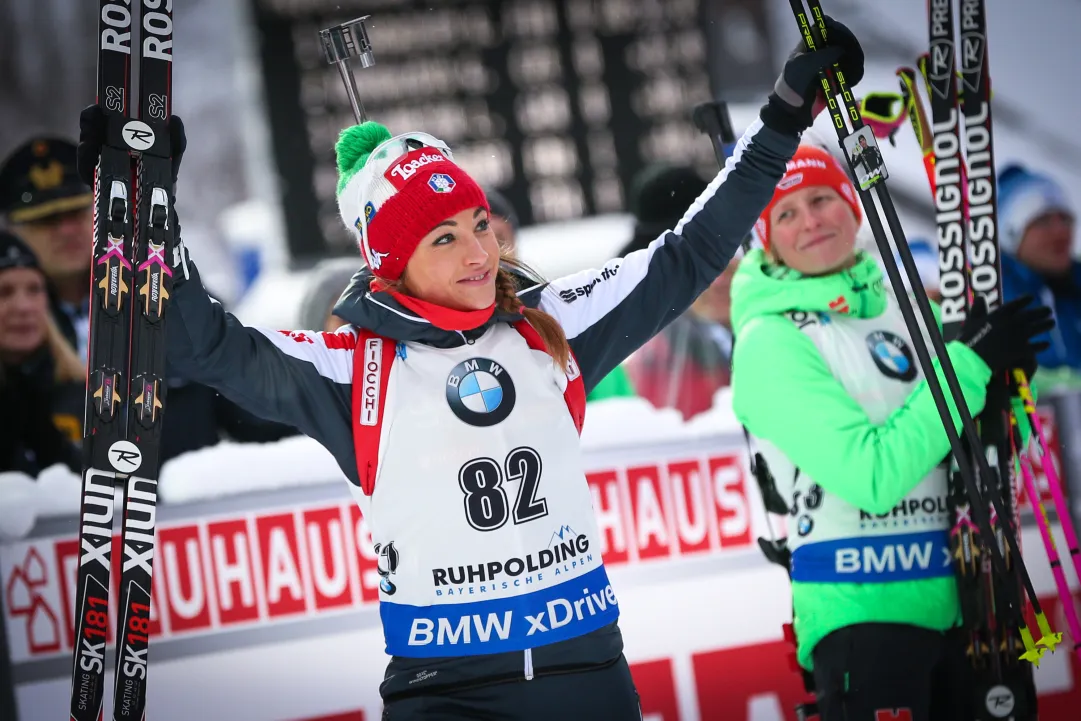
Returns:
<point x="825" y="378"/>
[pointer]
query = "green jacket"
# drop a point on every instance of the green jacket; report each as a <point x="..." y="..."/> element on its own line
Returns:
<point x="784" y="393"/>
<point x="617" y="384"/>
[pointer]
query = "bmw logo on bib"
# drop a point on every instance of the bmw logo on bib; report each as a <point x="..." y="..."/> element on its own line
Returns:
<point x="480" y="392"/>
<point x="892" y="355"/>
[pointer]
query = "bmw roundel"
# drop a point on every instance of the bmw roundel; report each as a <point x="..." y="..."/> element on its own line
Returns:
<point x="892" y="355"/>
<point x="480" y="392"/>
<point x="804" y="525"/>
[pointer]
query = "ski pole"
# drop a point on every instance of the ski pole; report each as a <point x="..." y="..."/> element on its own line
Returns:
<point x="1062" y="508"/>
<point x="712" y="119"/>
<point x="1033" y="492"/>
<point x="834" y="84"/>
<point x="345" y="41"/>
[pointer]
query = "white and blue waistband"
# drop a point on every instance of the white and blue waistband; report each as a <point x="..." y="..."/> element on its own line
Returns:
<point x="568" y="610"/>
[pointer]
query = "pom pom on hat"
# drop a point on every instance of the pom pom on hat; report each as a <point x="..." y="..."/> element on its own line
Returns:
<point x="354" y="145"/>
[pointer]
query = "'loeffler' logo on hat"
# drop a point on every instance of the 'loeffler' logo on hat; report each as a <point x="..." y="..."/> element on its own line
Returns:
<point x="402" y="171"/>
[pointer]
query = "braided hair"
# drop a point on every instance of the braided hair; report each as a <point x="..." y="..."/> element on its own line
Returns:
<point x="547" y="327"/>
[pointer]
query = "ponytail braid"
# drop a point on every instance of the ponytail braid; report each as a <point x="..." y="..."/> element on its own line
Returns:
<point x="547" y="327"/>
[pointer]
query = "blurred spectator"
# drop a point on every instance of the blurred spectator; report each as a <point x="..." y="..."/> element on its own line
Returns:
<point x="926" y="259"/>
<point x="684" y="365"/>
<point x="503" y="219"/>
<point x="326" y="283"/>
<point x="660" y="195"/>
<point x="1036" y="234"/>
<point x="41" y="378"/>
<point x="50" y="208"/>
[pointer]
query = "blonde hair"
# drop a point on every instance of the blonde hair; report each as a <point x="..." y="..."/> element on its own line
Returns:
<point x="507" y="300"/>
<point x="68" y="366"/>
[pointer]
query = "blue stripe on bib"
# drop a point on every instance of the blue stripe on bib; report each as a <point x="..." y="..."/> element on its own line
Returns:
<point x="568" y="610"/>
<point x="874" y="559"/>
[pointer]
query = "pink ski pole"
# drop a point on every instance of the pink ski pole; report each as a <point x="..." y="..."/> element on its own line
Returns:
<point x="1062" y="509"/>
<point x="1052" y="554"/>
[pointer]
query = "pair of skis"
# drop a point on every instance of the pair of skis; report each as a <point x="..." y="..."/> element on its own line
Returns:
<point x="131" y="284"/>
<point x="977" y="193"/>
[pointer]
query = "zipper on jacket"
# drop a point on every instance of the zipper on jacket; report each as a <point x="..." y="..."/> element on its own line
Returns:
<point x="529" y="664"/>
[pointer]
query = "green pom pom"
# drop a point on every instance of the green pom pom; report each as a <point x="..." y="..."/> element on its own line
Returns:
<point x="354" y="145"/>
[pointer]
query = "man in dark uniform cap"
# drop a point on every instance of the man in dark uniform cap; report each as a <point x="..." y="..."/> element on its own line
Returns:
<point x="43" y="200"/>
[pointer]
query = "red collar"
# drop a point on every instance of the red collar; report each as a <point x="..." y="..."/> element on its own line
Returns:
<point x="442" y="317"/>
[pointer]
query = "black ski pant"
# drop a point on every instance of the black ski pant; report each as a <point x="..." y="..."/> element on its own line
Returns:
<point x="892" y="672"/>
<point x="604" y="693"/>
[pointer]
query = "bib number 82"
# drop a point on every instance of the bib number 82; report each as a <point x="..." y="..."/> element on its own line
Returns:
<point x="486" y="504"/>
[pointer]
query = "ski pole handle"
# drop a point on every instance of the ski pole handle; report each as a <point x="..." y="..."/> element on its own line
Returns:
<point x="712" y="118"/>
<point x="345" y="41"/>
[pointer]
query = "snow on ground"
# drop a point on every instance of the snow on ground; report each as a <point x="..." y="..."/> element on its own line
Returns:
<point x="230" y="469"/>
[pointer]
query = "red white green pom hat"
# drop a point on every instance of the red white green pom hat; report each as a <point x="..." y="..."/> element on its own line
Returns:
<point x="396" y="194"/>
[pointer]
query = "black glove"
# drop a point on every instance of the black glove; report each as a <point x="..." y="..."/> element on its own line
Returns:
<point x="1031" y="364"/>
<point x="1004" y="338"/>
<point x="791" y="105"/>
<point x="92" y="126"/>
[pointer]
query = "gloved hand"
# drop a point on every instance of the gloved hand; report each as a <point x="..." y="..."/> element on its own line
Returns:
<point x="1030" y="364"/>
<point x="92" y="126"/>
<point x="792" y="104"/>
<point x="1004" y="338"/>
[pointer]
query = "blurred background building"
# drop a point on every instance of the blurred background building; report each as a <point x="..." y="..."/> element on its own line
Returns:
<point x="557" y="104"/>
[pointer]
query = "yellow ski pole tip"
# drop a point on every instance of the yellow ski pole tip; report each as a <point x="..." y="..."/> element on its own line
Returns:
<point x="1050" y="641"/>
<point x="1049" y="638"/>
<point x="1033" y="656"/>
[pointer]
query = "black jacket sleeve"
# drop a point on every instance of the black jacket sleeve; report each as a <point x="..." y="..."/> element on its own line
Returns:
<point x="609" y="313"/>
